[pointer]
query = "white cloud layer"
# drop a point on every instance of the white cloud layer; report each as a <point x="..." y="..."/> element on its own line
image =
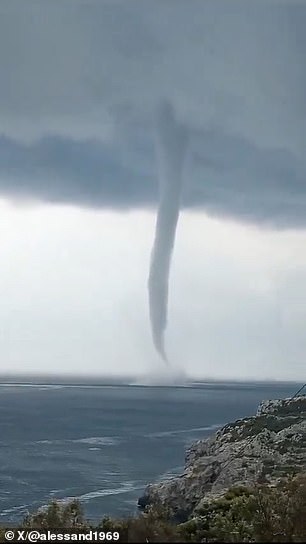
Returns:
<point x="73" y="295"/>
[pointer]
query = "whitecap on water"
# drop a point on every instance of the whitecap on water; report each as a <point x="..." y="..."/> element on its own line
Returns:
<point x="99" y="440"/>
<point x="191" y="430"/>
<point x="91" y="440"/>
<point x="126" y="487"/>
<point x="176" y="471"/>
<point x="22" y="509"/>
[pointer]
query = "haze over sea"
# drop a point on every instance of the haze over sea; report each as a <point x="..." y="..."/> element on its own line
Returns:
<point x="103" y="443"/>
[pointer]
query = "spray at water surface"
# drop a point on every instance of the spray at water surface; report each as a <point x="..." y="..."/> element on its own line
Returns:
<point x="170" y="149"/>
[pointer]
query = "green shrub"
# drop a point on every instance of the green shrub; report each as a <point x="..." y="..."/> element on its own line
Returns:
<point x="263" y="514"/>
<point x="58" y="515"/>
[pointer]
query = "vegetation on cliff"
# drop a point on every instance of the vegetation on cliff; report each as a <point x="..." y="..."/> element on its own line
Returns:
<point x="259" y="514"/>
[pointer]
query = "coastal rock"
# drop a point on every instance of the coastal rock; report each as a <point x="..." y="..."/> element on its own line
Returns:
<point x="262" y="448"/>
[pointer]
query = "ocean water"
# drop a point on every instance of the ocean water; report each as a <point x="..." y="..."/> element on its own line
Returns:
<point x="103" y="444"/>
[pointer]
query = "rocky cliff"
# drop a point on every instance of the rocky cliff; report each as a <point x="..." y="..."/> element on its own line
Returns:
<point x="262" y="448"/>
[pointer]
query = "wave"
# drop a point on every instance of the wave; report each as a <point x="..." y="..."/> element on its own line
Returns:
<point x="126" y="487"/>
<point x="90" y="440"/>
<point x="22" y="509"/>
<point x="51" y="386"/>
<point x="109" y="441"/>
<point x="64" y="385"/>
<point x="55" y="491"/>
<point x="98" y="440"/>
<point x="34" y="385"/>
<point x="172" y="473"/>
<point x="184" y="431"/>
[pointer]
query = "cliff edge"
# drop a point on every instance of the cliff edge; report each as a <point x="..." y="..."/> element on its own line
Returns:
<point x="261" y="449"/>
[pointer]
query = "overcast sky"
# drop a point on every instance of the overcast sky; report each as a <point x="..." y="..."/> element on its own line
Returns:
<point x="80" y="85"/>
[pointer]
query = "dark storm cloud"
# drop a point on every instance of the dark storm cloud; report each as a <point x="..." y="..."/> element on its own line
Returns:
<point x="238" y="178"/>
<point x="230" y="177"/>
<point x="66" y="171"/>
<point x="92" y="76"/>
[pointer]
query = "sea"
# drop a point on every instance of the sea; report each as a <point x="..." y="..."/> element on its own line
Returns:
<point x="103" y="444"/>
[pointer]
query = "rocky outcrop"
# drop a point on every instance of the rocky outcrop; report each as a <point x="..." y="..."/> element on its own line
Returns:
<point x="262" y="448"/>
